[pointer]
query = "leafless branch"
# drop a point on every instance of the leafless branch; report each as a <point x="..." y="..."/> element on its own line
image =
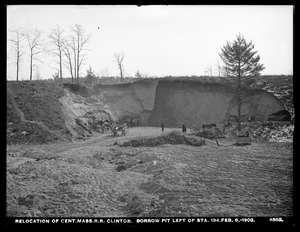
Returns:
<point x="119" y="58"/>
<point x="35" y="46"/>
<point x="57" y="42"/>
<point x="18" y="48"/>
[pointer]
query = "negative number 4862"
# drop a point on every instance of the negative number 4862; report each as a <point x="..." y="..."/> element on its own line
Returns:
<point x="276" y="219"/>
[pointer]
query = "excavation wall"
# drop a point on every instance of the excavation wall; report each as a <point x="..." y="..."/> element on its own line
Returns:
<point x="170" y="102"/>
<point x="191" y="103"/>
<point x="195" y="103"/>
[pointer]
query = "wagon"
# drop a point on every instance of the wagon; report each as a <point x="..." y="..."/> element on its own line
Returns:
<point x="116" y="129"/>
<point x="243" y="138"/>
<point x="106" y="127"/>
<point x="210" y="131"/>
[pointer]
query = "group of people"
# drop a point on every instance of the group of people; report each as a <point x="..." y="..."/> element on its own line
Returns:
<point x="183" y="128"/>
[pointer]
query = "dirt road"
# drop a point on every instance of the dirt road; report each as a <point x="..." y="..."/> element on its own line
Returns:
<point x="106" y="139"/>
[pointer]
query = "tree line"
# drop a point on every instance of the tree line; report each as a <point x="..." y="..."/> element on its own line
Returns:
<point x="67" y="50"/>
<point x="238" y="57"/>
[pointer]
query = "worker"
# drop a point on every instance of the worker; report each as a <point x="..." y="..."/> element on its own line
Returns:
<point x="183" y="129"/>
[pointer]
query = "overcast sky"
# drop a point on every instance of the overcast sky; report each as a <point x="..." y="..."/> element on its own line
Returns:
<point x="160" y="40"/>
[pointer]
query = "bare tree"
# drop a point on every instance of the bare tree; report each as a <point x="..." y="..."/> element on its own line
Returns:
<point x="35" y="47"/>
<point x="79" y="41"/>
<point x="18" y="48"/>
<point x="67" y="49"/>
<point x="37" y="73"/>
<point x="208" y="71"/>
<point x="57" y="41"/>
<point x="70" y="51"/>
<point x="219" y="68"/>
<point x="119" y="58"/>
<point x="104" y="72"/>
<point x="222" y="71"/>
<point x="73" y="48"/>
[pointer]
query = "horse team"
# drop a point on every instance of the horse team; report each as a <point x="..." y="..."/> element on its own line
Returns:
<point x="113" y="127"/>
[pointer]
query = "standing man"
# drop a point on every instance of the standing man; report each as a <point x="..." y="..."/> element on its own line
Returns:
<point x="162" y="127"/>
<point x="183" y="129"/>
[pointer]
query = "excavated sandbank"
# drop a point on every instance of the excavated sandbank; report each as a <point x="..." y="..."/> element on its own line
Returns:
<point x="172" y="102"/>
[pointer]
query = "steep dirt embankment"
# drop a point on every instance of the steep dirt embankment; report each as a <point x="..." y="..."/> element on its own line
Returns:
<point x="134" y="99"/>
<point x="191" y="103"/>
<point x="172" y="102"/>
<point x="83" y="108"/>
<point x="34" y="113"/>
<point x="195" y="103"/>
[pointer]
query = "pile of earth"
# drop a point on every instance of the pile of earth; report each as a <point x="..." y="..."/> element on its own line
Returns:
<point x="212" y="133"/>
<point x="173" y="137"/>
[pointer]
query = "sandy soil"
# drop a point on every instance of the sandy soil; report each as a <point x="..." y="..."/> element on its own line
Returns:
<point x="98" y="178"/>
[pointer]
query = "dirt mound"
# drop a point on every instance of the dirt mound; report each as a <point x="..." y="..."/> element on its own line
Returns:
<point x="34" y="113"/>
<point x="174" y="137"/>
<point x="213" y="133"/>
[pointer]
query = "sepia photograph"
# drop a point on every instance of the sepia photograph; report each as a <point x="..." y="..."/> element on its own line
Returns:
<point x="128" y="114"/>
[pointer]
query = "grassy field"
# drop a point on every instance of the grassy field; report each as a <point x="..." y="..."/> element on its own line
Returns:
<point x="95" y="178"/>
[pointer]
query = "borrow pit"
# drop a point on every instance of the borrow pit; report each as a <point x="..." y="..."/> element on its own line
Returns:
<point x="151" y="102"/>
<point x="71" y="111"/>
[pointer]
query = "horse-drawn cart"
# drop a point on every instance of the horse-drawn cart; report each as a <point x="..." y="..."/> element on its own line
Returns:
<point x="243" y="138"/>
<point x="117" y="128"/>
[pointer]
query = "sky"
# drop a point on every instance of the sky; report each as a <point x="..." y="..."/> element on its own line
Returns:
<point x="174" y="40"/>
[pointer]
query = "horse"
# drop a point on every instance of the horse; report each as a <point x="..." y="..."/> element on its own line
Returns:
<point x="115" y="130"/>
